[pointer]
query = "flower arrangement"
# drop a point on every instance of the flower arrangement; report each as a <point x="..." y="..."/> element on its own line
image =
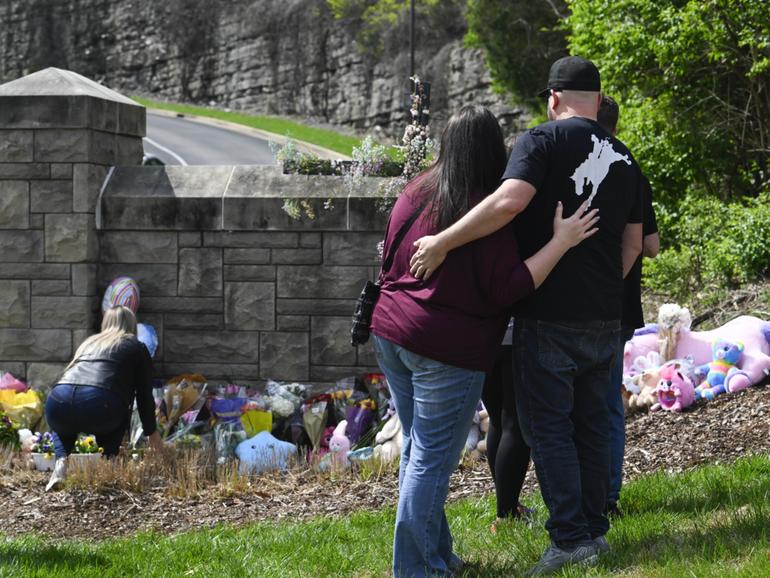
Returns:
<point x="9" y="431"/>
<point x="43" y="444"/>
<point x="87" y="445"/>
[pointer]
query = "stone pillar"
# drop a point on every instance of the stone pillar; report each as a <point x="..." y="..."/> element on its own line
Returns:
<point x="59" y="135"/>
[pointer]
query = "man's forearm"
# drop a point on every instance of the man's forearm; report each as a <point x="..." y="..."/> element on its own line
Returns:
<point x="491" y="214"/>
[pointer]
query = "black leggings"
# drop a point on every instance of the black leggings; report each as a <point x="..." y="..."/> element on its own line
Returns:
<point x="507" y="453"/>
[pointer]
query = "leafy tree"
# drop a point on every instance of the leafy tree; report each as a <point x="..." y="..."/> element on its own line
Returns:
<point x="693" y="80"/>
<point x="521" y="38"/>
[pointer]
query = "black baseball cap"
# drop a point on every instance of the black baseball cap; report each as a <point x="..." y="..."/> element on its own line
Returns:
<point x="573" y="73"/>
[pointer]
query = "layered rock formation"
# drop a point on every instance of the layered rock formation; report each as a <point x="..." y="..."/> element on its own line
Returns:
<point x="281" y="57"/>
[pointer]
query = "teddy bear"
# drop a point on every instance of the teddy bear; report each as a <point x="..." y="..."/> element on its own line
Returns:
<point x="675" y="389"/>
<point x="481" y="447"/>
<point x="389" y="440"/>
<point x="725" y="358"/>
<point x="263" y="452"/>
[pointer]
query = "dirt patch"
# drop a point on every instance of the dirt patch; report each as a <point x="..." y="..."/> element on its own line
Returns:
<point x="719" y="431"/>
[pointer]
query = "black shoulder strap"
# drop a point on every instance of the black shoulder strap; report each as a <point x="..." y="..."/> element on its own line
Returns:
<point x="400" y="237"/>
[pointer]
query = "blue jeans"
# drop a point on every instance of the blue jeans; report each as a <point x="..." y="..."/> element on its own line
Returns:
<point x="617" y="420"/>
<point x="562" y="380"/>
<point x="435" y="403"/>
<point x="74" y="409"/>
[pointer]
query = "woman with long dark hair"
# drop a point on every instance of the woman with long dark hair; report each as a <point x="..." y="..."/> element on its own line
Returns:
<point x="435" y="339"/>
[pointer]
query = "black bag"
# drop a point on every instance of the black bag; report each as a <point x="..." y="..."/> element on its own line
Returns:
<point x="362" y="315"/>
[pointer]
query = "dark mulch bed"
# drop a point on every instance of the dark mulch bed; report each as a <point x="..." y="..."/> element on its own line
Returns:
<point x="720" y="431"/>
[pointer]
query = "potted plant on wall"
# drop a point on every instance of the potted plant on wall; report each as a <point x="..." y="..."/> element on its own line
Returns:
<point x="43" y="451"/>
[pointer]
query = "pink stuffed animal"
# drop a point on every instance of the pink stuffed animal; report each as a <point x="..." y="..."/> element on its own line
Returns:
<point x="753" y="332"/>
<point x="675" y="390"/>
<point x="339" y="446"/>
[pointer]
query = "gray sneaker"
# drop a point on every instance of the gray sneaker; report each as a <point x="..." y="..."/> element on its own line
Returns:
<point x="554" y="558"/>
<point x="601" y="544"/>
<point x="58" y="475"/>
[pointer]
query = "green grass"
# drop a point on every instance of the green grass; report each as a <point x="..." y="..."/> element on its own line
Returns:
<point x="714" y="521"/>
<point x="321" y="137"/>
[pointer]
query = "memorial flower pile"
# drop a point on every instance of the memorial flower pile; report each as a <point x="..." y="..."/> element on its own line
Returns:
<point x="9" y="431"/>
<point x="43" y="444"/>
<point x="87" y="445"/>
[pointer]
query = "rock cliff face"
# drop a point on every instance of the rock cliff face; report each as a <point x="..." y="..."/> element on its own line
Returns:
<point x="281" y="57"/>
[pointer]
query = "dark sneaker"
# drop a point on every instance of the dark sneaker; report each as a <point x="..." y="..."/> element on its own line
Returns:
<point x="601" y="544"/>
<point x="555" y="558"/>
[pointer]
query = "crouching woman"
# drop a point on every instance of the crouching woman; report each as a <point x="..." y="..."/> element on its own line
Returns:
<point x="96" y="393"/>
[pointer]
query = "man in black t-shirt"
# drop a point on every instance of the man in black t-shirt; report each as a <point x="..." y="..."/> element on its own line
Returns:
<point x="632" y="318"/>
<point x="566" y="333"/>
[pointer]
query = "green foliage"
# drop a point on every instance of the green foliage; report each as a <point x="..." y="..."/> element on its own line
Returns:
<point x="717" y="245"/>
<point x="691" y="77"/>
<point x="521" y="38"/>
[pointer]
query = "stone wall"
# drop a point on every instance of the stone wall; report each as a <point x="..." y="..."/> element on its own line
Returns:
<point x="59" y="134"/>
<point x="236" y="289"/>
<point x="283" y="57"/>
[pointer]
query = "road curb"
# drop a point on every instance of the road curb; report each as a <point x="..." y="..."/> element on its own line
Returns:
<point x="316" y="150"/>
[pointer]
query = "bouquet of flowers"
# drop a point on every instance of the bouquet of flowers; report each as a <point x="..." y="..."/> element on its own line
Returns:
<point x="43" y="444"/>
<point x="87" y="445"/>
<point x="9" y="431"/>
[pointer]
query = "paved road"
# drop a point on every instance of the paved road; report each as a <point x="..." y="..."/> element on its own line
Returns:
<point x="180" y="141"/>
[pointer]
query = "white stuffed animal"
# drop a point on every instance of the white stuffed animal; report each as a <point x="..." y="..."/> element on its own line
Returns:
<point x="389" y="440"/>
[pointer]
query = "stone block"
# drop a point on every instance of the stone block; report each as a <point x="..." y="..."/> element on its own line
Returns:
<point x="14" y="205"/>
<point x="330" y="341"/>
<point x="14" y="304"/>
<point x="25" y="171"/>
<point x="309" y="240"/>
<point x="35" y="344"/>
<point x="189" y="239"/>
<point x="293" y="323"/>
<point x="365" y="216"/>
<point x="321" y="282"/>
<point x="250" y="306"/>
<point x="154" y="280"/>
<point x="37" y="221"/>
<point x="284" y="356"/>
<point x="44" y="376"/>
<point x="16" y="146"/>
<point x="332" y="374"/>
<point x="102" y="148"/>
<point x="50" y="196"/>
<point x="241" y="373"/>
<point x="296" y="256"/>
<point x="17" y="369"/>
<point x="21" y="246"/>
<point x="70" y="238"/>
<point x="247" y="256"/>
<point x="138" y="247"/>
<point x="62" y="145"/>
<point x="255" y="239"/>
<point x="188" y="305"/>
<point x="79" y="336"/>
<point x="315" y="306"/>
<point x="249" y="273"/>
<point x="200" y="272"/>
<point x="202" y="322"/>
<point x="63" y="312"/>
<point x="61" y="171"/>
<point x="351" y="248"/>
<point x="50" y="287"/>
<point x="212" y="346"/>
<point x="87" y="181"/>
<point x="130" y="150"/>
<point x="84" y="279"/>
<point x="33" y="270"/>
<point x="366" y="355"/>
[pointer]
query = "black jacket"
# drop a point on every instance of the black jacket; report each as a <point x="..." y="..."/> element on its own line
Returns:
<point x="126" y="370"/>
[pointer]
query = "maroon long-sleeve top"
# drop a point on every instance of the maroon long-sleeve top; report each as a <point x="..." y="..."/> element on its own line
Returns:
<point x="460" y="314"/>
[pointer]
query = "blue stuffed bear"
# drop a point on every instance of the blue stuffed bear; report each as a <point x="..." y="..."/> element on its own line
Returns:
<point x="726" y="356"/>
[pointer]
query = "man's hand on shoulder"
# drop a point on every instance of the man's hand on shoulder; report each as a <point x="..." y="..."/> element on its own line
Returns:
<point x="427" y="258"/>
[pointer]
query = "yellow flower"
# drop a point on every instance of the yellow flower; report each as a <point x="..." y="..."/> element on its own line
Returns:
<point x="101" y="450"/>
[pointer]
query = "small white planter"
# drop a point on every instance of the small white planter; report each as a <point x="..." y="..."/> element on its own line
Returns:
<point x="83" y="460"/>
<point x="44" y="462"/>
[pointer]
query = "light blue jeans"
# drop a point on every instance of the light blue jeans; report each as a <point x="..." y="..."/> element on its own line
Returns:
<point x="435" y="403"/>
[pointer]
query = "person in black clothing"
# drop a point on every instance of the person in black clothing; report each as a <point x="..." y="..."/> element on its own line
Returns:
<point x="507" y="452"/>
<point x="97" y="390"/>
<point x="632" y="318"/>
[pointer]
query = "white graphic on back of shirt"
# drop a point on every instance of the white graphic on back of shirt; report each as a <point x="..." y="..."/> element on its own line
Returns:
<point x="594" y="169"/>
